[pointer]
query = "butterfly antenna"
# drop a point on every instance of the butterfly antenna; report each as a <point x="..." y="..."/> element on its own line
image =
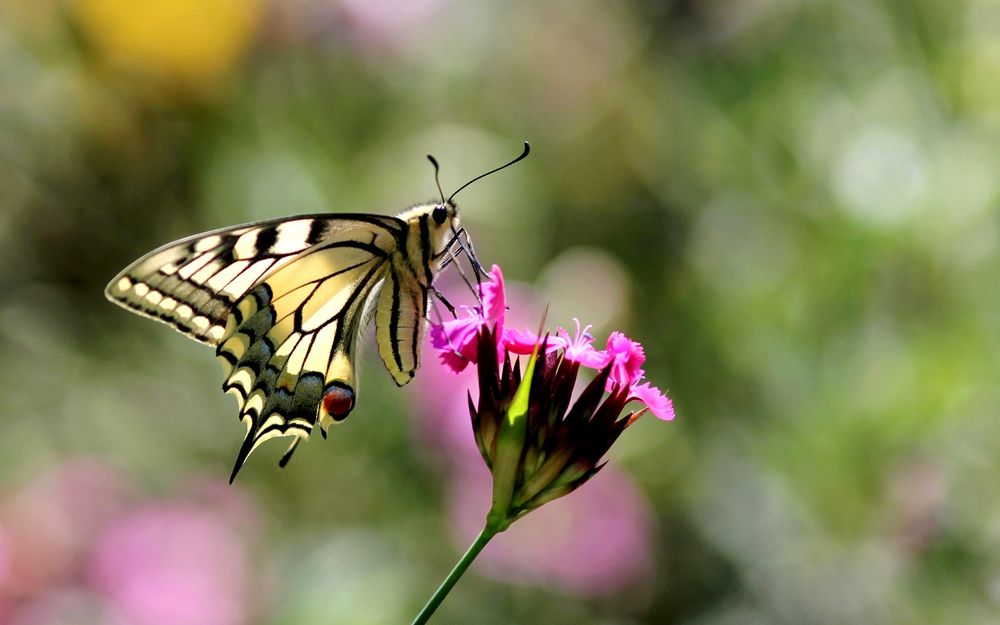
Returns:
<point x="437" y="176"/>
<point x="527" y="149"/>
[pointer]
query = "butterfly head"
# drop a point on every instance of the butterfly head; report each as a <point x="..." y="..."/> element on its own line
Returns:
<point x="443" y="212"/>
<point x="437" y="221"/>
<point x="444" y="224"/>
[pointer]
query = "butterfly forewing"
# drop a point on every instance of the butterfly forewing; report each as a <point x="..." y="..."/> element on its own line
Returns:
<point x="192" y="284"/>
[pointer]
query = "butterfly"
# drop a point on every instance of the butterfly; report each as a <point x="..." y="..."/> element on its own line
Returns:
<point x="284" y="302"/>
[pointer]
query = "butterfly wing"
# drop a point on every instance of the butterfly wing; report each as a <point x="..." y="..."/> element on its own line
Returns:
<point x="193" y="284"/>
<point x="283" y="301"/>
<point x="399" y="323"/>
<point x="289" y="343"/>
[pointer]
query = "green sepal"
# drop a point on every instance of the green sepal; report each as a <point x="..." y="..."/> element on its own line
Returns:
<point x="510" y="449"/>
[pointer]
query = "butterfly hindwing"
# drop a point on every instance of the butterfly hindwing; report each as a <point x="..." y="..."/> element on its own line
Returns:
<point x="399" y="322"/>
<point x="291" y="341"/>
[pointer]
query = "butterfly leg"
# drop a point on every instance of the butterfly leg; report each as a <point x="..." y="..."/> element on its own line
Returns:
<point x="466" y="247"/>
<point x="440" y="297"/>
<point x="453" y="258"/>
<point x="470" y="252"/>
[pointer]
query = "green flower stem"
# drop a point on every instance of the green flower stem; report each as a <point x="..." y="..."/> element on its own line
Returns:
<point x="456" y="573"/>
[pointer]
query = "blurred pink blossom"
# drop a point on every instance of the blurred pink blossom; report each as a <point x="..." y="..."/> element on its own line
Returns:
<point x="60" y="606"/>
<point x="172" y="562"/>
<point x="78" y="543"/>
<point x="51" y="520"/>
<point x="383" y="26"/>
<point x="596" y="541"/>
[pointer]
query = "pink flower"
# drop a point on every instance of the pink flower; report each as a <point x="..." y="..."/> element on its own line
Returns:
<point x="657" y="402"/>
<point x="494" y="296"/>
<point x="541" y="437"/>
<point x="522" y="341"/>
<point x="167" y="563"/>
<point x="598" y="542"/>
<point x="625" y="357"/>
<point x="455" y="339"/>
<point x="579" y="348"/>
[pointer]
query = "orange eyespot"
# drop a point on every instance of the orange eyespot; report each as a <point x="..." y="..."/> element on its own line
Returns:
<point x="338" y="401"/>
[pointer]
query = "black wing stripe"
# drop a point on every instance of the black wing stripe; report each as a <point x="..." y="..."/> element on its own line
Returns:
<point x="394" y="324"/>
<point x="297" y="321"/>
<point x="374" y="250"/>
<point x="415" y="334"/>
<point x="266" y="238"/>
<point x="317" y="231"/>
<point x="425" y="249"/>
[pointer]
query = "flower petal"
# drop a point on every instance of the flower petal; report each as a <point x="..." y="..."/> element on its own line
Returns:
<point x="455" y="341"/>
<point x="658" y="402"/>
<point x="627" y="356"/>
<point x="519" y="341"/>
<point x="579" y="348"/>
<point x="494" y="296"/>
<point x="587" y="356"/>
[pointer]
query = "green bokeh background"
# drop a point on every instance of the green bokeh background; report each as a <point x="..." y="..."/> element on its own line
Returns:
<point x="798" y="199"/>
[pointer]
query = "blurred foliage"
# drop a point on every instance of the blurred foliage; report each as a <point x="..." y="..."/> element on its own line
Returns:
<point x="794" y="205"/>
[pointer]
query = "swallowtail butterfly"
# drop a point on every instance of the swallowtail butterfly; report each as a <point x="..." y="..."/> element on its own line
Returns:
<point x="283" y="303"/>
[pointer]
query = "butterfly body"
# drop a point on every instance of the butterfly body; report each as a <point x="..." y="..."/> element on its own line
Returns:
<point x="284" y="303"/>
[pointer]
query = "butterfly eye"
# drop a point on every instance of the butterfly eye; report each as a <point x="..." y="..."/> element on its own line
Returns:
<point x="439" y="214"/>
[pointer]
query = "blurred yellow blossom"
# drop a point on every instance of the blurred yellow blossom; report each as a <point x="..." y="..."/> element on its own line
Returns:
<point x="188" y="41"/>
